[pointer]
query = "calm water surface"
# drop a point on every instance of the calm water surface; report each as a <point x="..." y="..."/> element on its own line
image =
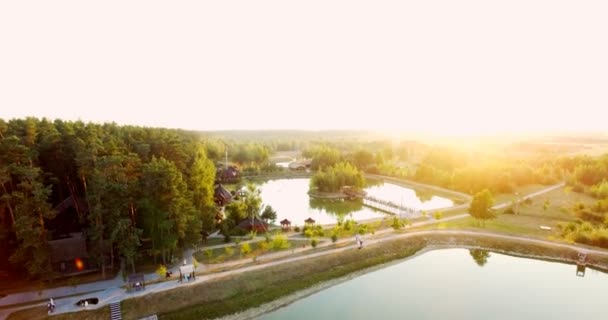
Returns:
<point x="459" y="284"/>
<point x="289" y="197"/>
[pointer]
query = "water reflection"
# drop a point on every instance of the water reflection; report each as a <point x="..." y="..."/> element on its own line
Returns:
<point x="480" y="256"/>
<point x="289" y="197"/>
<point x="338" y="208"/>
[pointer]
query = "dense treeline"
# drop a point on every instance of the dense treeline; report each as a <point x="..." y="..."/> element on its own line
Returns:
<point x="589" y="176"/>
<point x="474" y="171"/>
<point x="331" y="179"/>
<point x="136" y="185"/>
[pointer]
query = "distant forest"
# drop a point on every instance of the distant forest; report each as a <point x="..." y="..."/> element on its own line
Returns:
<point x="126" y="185"/>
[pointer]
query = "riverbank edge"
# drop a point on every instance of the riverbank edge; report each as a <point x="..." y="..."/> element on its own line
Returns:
<point x="269" y="307"/>
<point x="419" y="245"/>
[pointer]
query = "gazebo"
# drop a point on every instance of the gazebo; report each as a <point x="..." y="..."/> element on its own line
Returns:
<point x="186" y="272"/>
<point x="285" y="225"/>
<point x="136" y="281"/>
<point x="309" y="222"/>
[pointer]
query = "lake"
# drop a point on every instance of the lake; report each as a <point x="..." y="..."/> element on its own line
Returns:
<point x="289" y="197"/>
<point x="460" y="284"/>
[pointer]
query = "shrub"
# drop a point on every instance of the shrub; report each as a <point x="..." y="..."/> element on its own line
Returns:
<point x="313" y="243"/>
<point x="227" y="238"/>
<point x="280" y="242"/>
<point x="348" y="225"/>
<point x="209" y="254"/>
<point x="587" y="215"/>
<point x="296" y="229"/>
<point x="438" y="215"/>
<point x="245" y="249"/>
<point x="161" y="271"/>
<point x="397" y="224"/>
<point x="229" y="251"/>
<point x="262" y="245"/>
<point x="334" y="238"/>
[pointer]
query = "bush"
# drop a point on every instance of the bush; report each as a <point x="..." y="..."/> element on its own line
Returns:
<point x="262" y="245"/>
<point x="348" y="224"/>
<point x="245" y="249"/>
<point x="397" y="224"/>
<point x="209" y="254"/>
<point x="438" y="215"/>
<point x="280" y="242"/>
<point x="313" y="243"/>
<point x="587" y="215"/>
<point x="296" y="229"/>
<point x="161" y="271"/>
<point x="229" y="251"/>
<point x="509" y="210"/>
<point x="334" y="238"/>
<point x="227" y="238"/>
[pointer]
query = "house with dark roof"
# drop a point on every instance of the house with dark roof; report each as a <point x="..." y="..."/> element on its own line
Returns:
<point x="221" y="196"/>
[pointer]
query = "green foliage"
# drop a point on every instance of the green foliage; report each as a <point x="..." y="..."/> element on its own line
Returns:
<point x="600" y="191"/>
<point x="586" y="233"/>
<point x="314" y="242"/>
<point x="161" y="271"/>
<point x="245" y="249"/>
<point x="280" y="242"/>
<point x="362" y="229"/>
<point x="314" y="231"/>
<point x="480" y="256"/>
<point x="251" y="153"/>
<point x="269" y="214"/>
<point x="228" y="251"/>
<point x="323" y="157"/>
<point x="263" y="245"/>
<point x="296" y="229"/>
<point x="349" y="224"/>
<point x="438" y="215"/>
<point x="481" y="205"/>
<point x="334" y="237"/>
<point x="332" y="179"/>
<point x="397" y="224"/>
<point x="208" y="254"/>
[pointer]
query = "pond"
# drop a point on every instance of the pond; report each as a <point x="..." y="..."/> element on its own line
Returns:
<point x="289" y="197"/>
<point x="460" y="284"/>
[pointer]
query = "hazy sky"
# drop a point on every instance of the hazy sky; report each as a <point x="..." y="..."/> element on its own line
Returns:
<point x="432" y="65"/>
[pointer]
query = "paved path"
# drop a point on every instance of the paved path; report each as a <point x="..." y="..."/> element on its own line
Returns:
<point x="109" y="291"/>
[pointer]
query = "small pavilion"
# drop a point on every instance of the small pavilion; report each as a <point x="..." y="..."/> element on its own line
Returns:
<point x="309" y="222"/>
<point x="285" y="225"/>
<point x="186" y="272"/>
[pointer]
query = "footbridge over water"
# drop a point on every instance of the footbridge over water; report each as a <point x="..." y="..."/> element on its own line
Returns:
<point x="383" y="205"/>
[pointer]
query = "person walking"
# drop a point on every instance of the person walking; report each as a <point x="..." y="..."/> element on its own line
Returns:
<point x="359" y="240"/>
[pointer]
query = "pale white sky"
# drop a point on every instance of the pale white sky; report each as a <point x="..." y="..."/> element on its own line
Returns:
<point x="432" y="65"/>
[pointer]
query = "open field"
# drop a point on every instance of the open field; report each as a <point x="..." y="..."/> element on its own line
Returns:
<point x="550" y="209"/>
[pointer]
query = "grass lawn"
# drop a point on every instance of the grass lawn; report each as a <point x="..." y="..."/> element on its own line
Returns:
<point x="522" y="191"/>
<point x="550" y="210"/>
